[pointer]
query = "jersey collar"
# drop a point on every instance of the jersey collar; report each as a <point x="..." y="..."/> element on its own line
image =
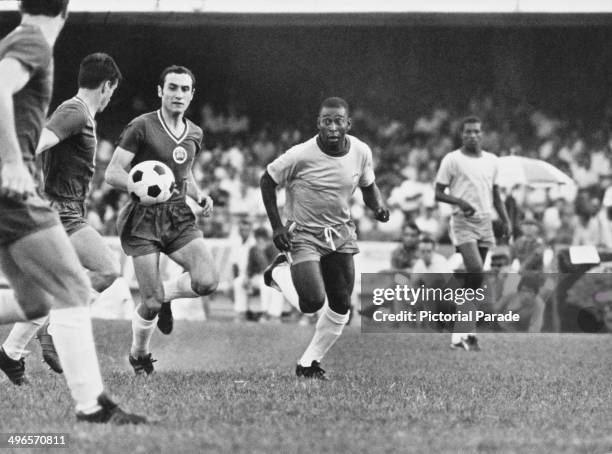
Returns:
<point x="169" y="132"/>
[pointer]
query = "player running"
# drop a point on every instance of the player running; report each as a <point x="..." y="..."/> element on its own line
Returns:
<point x="470" y="174"/>
<point x="320" y="176"/>
<point x="36" y="255"/>
<point x="68" y="144"/>
<point x="168" y="227"/>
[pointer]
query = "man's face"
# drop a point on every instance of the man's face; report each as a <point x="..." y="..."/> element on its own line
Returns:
<point x="177" y="92"/>
<point x="410" y="238"/>
<point x="333" y="124"/>
<point x="244" y="230"/>
<point x="472" y="136"/>
<point x="108" y="90"/>
<point x="426" y="252"/>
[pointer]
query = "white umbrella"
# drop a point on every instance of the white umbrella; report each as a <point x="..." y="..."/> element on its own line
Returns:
<point x="513" y="170"/>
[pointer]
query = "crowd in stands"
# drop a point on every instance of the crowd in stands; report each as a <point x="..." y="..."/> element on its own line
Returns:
<point x="406" y="157"/>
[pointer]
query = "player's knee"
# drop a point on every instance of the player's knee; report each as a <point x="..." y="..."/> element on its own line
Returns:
<point x="311" y="303"/>
<point x="108" y="278"/>
<point x="204" y="286"/>
<point x="204" y="283"/>
<point x="77" y="287"/>
<point x="339" y="302"/>
<point x="36" y="309"/>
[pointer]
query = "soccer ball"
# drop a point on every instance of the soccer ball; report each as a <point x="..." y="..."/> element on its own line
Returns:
<point x="150" y="182"/>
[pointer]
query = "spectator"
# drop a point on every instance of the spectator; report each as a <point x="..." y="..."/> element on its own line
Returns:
<point x="239" y="257"/>
<point x="261" y="254"/>
<point x="405" y="255"/>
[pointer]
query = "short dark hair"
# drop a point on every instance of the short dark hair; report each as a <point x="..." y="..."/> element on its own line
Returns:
<point x="97" y="68"/>
<point x="468" y="120"/>
<point x="51" y="8"/>
<point x="336" y="103"/>
<point x="176" y="69"/>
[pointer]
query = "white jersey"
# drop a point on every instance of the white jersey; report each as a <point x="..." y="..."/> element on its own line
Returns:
<point x="470" y="178"/>
<point x="319" y="186"/>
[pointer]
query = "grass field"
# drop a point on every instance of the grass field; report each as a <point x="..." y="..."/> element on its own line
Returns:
<point x="221" y="387"/>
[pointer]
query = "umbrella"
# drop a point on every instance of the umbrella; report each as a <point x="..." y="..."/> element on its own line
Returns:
<point x="513" y="170"/>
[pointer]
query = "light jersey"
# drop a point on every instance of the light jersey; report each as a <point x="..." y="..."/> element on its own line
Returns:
<point x="27" y="45"/>
<point x="69" y="166"/>
<point x="319" y="186"/>
<point x="148" y="137"/>
<point x="470" y="178"/>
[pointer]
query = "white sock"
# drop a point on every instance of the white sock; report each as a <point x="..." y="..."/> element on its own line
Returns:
<point x="19" y="337"/>
<point x="179" y="288"/>
<point x="74" y="342"/>
<point x="282" y="276"/>
<point x="328" y="330"/>
<point x="142" y="331"/>
<point x="10" y="310"/>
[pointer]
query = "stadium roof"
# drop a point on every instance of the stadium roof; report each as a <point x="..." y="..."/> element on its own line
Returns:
<point x="337" y="6"/>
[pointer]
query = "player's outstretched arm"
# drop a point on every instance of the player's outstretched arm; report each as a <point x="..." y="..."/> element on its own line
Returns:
<point x="15" y="179"/>
<point x="117" y="171"/>
<point x="442" y="196"/>
<point x="280" y="234"/>
<point x="373" y="200"/>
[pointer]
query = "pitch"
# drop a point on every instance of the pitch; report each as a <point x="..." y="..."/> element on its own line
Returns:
<point x="224" y="387"/>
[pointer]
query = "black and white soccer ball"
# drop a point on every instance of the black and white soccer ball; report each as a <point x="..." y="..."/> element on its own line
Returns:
<point x="150" y="182"/>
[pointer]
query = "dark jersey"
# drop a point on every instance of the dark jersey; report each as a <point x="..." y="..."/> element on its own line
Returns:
<point x="69" y="166"/>
<point x="148" y="137"/>
<point x="27" y="45"/>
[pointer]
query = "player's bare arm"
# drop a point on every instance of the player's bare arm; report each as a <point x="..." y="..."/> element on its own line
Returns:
<point x="47" y="140"/>
<point x="373" y="200"/>
<point x="15" y="179"/>
<point x="501" y="211"/>
<point x="280" y="233"/>
<point x="442" y="196"/>
<point x="117" y="171"/>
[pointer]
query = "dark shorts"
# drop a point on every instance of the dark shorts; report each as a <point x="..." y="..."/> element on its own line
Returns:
<point x="19" y="219"/>
<point x="71" y="213"/>
<point x="165" y="227"/>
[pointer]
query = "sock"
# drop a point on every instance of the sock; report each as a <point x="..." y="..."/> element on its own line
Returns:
<point x="282" y="276"/>
<point x="10" y="310"/>
<point x="142" y="331"/>
<point x="179" y="288"/>
<point x="19" y="337"/>
<point x="74" y="342"/>
<point x="328" y="330"/>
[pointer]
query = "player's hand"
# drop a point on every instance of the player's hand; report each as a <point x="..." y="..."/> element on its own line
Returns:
<point x="282" y="238"/>
<point x="207" y="206"/>
<point x="381" y="214"/>
<point x="16" y="181"/>
<point x="468" y="210"/>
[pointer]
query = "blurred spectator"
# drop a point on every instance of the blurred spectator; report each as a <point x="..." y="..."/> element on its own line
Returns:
<point x="261" y="254"/>
<point x="406" y="254"/>
<point x="240" y="252"/>
<point x="429" y="260"/>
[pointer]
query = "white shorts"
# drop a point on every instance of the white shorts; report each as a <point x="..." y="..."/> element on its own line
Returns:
<point x="465" y="230"/>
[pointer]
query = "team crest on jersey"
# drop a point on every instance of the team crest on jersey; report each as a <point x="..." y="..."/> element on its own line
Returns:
<point x="179" y="154"/>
